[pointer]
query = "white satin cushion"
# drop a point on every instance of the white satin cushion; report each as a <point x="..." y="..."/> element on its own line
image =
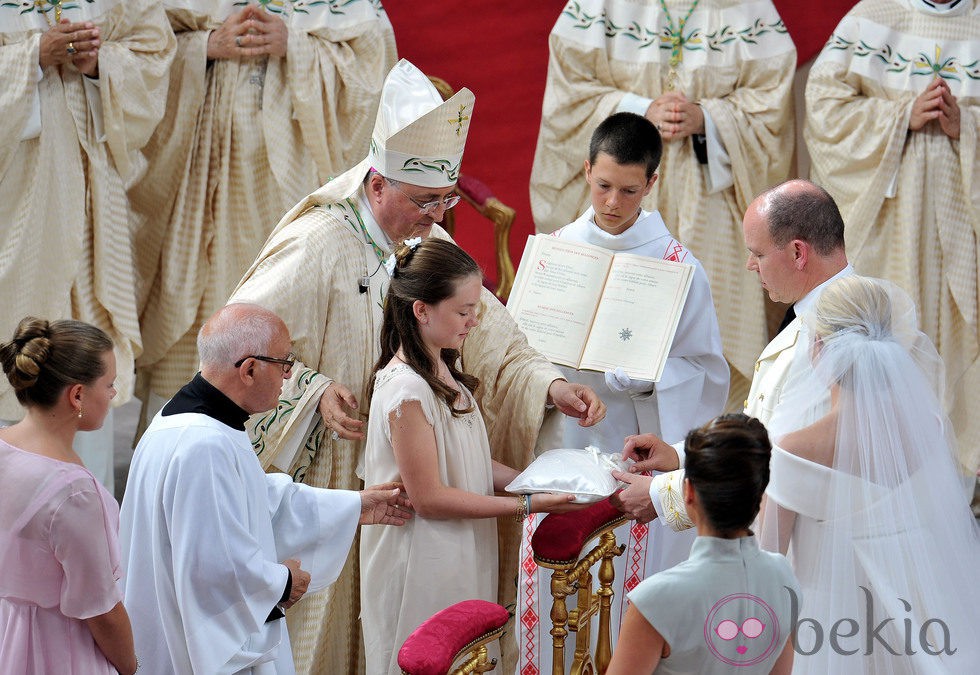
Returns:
<point x="583" y="473"/>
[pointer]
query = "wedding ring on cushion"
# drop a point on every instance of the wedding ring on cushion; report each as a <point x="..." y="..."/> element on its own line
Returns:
<point x="238" y="41"/>
<point x="71" y="49"/>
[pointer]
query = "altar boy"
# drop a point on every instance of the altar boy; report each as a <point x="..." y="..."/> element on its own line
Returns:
<point x="621" y="169"/>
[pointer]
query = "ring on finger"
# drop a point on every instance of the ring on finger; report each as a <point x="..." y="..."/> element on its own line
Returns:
<point x="71" y="49"/>
<point x="335" y="436"/>
<point x="238" y="41"/>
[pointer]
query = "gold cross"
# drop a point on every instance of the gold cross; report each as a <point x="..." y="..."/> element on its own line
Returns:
<point x="460" y="118"/>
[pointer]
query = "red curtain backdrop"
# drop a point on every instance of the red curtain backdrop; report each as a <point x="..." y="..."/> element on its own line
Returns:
<point x="499" y="49"/>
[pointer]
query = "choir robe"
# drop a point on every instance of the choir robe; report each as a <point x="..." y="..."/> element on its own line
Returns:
<point x="738" y="64"/>
<point x="310" y="273"/>
<point x="692" y="390"/>
<point x="241" y="141"/>
<point x="204" y="531"/>
<point x="910" y="199"/>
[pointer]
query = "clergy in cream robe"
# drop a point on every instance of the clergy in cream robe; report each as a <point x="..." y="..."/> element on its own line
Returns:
<point x="204" y="531"/>
<point x="242" y="140"/>
<point x="70" y="147"/>
<point x="310" y="273"/>
<point x="910" y="199"/>
<point x="692" y="390"/>
<point x="737" y="62"/>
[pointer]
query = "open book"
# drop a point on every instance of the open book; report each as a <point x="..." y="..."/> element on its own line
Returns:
<point x="588" y="308"/>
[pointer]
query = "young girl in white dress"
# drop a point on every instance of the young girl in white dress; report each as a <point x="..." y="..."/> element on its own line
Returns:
<point x="425" y="430"/>
<point x="729" y="607"/>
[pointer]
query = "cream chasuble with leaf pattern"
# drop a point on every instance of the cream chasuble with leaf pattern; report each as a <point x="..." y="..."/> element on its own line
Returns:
<point x="308" y="273"/>
<point x="242" y="141"/>
<point x="70" y="147"/>
<point x="910" y="199"/>
<point x="737" y="61"/>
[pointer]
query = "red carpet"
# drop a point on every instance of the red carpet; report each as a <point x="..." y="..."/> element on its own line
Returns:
<point x="499" y="49"/>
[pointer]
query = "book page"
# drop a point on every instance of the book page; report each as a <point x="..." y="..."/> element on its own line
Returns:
<point x="638" y="316"/>
<point x="556" y="291"/>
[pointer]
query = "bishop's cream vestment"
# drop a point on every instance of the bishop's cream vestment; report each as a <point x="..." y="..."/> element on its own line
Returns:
<point x="737" y="62"/>
<point x="70" y="145"/>
<point x="243" y="140"/>
<point x="910" y="199"/>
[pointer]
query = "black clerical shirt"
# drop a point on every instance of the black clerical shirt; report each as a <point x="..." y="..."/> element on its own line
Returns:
<point x="202" y="397"/>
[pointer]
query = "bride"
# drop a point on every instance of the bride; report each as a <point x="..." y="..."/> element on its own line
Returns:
<point x="866" y="500"/>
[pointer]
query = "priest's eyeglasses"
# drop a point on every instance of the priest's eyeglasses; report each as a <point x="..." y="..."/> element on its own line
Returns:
<point x="428" y="207"/>
<point x="286" y="363"/>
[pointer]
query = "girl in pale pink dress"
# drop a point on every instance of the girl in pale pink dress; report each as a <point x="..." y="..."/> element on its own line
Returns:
<point x="61" y="608"/>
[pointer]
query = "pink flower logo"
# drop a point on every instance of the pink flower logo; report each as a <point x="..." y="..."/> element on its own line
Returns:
<point x="741" y="630"/>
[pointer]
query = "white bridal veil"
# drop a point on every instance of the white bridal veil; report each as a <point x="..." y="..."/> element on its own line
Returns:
<point x="865" y="495"/>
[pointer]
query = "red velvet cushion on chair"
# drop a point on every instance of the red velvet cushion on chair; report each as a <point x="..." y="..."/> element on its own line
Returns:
<point x="560" y="537"/>
<point x="431" y="647"/>
<point x="474" y="188"/>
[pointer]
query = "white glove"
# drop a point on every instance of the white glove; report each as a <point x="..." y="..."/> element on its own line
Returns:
<point x="618" y="380"/>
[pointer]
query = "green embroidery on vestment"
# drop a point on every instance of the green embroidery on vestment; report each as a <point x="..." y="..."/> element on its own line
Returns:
<point x="948" y="68"/>
<point x="665" y="39"/>
<point x="43" y="6"/>
<point x="281" y="413"/>
<point x="336" y="7"/>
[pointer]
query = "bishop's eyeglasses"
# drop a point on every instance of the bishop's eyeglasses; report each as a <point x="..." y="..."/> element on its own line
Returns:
<point x="428" y="207"/>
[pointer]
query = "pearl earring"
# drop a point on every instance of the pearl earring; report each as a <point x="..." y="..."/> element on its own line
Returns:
<point x="79" y="412"/>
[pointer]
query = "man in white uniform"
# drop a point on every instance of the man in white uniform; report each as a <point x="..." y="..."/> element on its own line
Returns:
<point x="212" y="545"/>
<point x="795" y="237"/>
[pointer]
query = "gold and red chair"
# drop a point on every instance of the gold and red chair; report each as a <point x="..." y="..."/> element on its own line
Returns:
<point x="454" y="641"/>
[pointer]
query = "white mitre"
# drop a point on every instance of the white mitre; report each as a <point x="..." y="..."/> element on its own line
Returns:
<point x="419" y="138"/>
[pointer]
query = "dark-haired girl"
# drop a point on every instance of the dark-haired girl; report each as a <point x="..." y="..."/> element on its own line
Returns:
<point x="61" y="608"/>
<point x="728" y="606"/>
<point x="426" y="431"/>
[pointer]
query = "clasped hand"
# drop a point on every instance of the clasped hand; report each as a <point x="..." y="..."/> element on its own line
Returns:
<point x="84" y="40"/>
<point x="249" y="33"/>
<point x="936" y="103"/>
<point x="675" y="116"/>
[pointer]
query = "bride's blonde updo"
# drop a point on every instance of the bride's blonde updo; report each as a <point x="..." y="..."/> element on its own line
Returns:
<point x="854" y="304"/>
<point x="45" y="357"/>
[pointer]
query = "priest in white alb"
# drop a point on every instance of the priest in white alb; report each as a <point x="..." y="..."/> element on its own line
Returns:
<point x="892" y="126"/>
<point x="81" y="88"/>
<point x="323" y="272"/>
<point x="715" y="76"/>
<point x="213" y="547"/>
<point x="268" y="101"/>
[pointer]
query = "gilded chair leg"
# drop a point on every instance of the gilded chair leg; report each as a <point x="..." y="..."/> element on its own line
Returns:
<point x="582" y="663"/>
<point x="560" y="589"/>
<point x="607" y="574"/>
